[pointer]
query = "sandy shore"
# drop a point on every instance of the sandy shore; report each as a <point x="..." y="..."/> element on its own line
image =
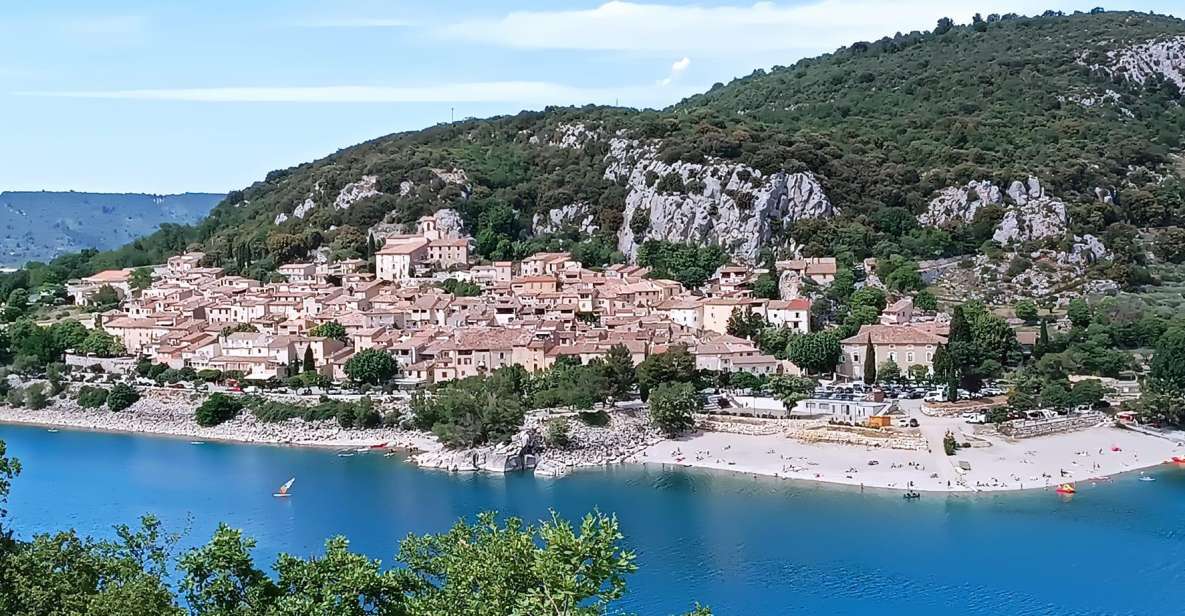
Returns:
<point x="1042" y="462"/>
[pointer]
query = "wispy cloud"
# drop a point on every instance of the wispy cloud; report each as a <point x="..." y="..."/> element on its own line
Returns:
<point x="677" y="69"/>
<point x="764" y="26"/>
<point x="109" y="25"/>
<point x="522" y="92"/>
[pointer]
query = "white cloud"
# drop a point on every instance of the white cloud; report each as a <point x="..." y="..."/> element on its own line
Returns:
<point x="112" y="25"/>
<point x="764" y="26"/>
<point x="522" y="92"/>
<point x="676" y="69"/>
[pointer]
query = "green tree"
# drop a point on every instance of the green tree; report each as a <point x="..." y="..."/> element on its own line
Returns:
<point x="672" y="405"/>
<point x="1089" y="392"/>
<point x="105" y="298"/>
<point x="310" y="363"/>
<point x="815" y="352"/>
<point x="35" y="396"/>
<point x="791" y="389"/>
<point x="1079" y="313"/>
<point x="90" y="397"/>
<point x="330" y="329"/>
<point x="1026" y="310"/>
<point x="618" y="369"/>
<point x="141" y="278"/>
<point x="557" y="433"/>
<point x="1168" y="362"/>
<point x="869" y="362"/>
<point x="101" y="344"/>
<point x="68" y="334"/>
<point x="121" y="397"/>
<point x="676" y="365"/>
<point x="889" y="371"/>
<point x="16" y="306"/>
<point x="373" y="366"/>
<point x="869" y="296"/>
<point x="216" y="409"/>
<point x="925" y="300"/>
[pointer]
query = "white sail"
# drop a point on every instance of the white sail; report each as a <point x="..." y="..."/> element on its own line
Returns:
<point x="287" y="484"/>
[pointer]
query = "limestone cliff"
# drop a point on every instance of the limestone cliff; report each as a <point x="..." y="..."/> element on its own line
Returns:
<point x="1029" y="213"/>
<point x="715" y="202"/>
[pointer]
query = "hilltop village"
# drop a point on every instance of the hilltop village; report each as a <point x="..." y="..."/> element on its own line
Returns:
<point x="442" y="319"/>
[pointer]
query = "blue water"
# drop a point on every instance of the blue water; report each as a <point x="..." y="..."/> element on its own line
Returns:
<point x="740" y="544"/>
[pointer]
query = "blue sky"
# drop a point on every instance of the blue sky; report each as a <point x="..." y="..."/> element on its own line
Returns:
<point x="159" y="96"/>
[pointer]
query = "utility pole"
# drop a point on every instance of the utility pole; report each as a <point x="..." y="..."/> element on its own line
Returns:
<point x="450" y="115"/>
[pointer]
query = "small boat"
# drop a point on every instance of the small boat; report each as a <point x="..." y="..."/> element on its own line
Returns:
<point x="197" y="442"/>
<point x="1147" y="478"/>
<point x="1177" y="460"/>
<point x="1066" y="488"/>
<point x="362" y="450"/>
<point x="382" y="445"/>
<point x="283" y="493"/>
<point x="52" y="430"/>
<point x="345" y="454"/>
<point x="911" y="495"/>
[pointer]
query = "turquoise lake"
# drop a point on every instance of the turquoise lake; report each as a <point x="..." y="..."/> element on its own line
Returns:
<point x="740" y="544"/>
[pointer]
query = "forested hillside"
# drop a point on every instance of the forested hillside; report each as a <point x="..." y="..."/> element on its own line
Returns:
<point x="920" y="145"/>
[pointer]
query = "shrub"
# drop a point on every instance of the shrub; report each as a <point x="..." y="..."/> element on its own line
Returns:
<point x="217" y="409"/>
<point x="597" y="419"/>
<point x="15" y="398"/>
<point x="121" y="397"/>
<point x="90" y="397"/>
<point x="557" y="433"/>
<point x="35" y="396"/>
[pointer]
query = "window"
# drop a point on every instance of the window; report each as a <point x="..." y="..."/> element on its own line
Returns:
<point x="909" y="357"/>
<point x="855" y="358"/>
<point x="929" y="357"/>
<point x="892" y="356"/>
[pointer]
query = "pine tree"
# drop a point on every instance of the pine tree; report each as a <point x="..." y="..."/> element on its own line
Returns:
<point x="309" y="363"/>
<point x="869" y="362"/>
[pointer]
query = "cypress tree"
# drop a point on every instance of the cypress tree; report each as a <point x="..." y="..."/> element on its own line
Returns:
<point x="1042" y="340"/>
<point x="309" y="363"/>
<point x="869" y="362"/>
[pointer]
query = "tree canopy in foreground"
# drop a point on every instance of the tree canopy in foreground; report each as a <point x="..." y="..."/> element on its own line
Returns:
<point x="482" y="568"/>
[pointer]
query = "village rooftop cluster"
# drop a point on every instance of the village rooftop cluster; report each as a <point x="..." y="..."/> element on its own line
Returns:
<point x="529" y="313"/>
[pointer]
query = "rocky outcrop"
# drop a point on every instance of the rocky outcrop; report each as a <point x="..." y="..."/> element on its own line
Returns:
<point x="573" y="135"/>
<point x="717" y="202"/>
<point x="959" y="204"/>
<point x="356" y="191"/>
<point x="574" y="216"/>
<point x="448" y="223"/>
<point x="1029" y="213"/>
<point x="1034" y="216"/>
<point x="1161" y="58"/>
<point x="516" y="455"/>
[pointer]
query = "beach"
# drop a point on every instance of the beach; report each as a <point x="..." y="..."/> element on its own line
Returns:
<point x="1004" y="464"/>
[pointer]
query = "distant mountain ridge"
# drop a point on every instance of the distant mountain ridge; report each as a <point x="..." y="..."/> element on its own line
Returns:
<point x="40" y="225"/>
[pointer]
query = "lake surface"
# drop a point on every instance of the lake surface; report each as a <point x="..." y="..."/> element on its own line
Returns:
<point x="740" y="544"/>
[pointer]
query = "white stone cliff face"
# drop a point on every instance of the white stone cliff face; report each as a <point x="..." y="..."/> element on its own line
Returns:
<point x="356" y="191"/>
<point x="1156" y="58"/>
<point x="1029" y="213"/>
<point x="367" y="186"/>
<point x="572" y="216"/>
<point x="723" y="203"/>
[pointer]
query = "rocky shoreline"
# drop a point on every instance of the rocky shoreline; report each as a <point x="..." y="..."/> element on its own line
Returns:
<point x="171" y="414"/>
<point x="166" y="413"/>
